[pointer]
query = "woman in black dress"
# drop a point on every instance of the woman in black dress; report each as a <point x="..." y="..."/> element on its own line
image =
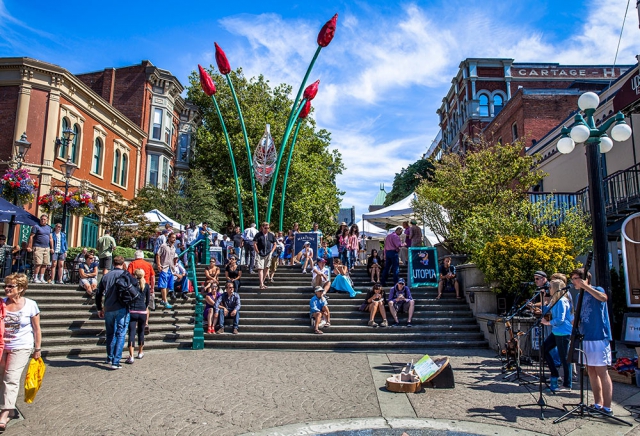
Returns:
<point x="374" y="266"/>
<point x="233" y="274"/>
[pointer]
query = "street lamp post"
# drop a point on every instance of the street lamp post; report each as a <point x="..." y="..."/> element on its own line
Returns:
<point x="22" y="147"/>
<point x="596" y="141"/>
<point x="68" y="168"/>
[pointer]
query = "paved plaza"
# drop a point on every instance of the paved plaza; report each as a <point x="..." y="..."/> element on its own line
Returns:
<point x="231" y="392"/>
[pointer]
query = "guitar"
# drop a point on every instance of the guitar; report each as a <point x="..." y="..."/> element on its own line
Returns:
<point x="511" y="347"/>
<point x="576" y="319"/>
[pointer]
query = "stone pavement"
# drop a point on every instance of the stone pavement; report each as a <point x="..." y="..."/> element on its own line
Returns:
<point x="231" y="392"/>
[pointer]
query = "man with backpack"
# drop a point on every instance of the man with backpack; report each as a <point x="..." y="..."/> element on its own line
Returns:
<point x="115" y="311"/>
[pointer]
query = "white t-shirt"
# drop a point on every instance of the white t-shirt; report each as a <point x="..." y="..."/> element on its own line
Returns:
<point x="324" y="271"/>
<point x="18" y="333"/>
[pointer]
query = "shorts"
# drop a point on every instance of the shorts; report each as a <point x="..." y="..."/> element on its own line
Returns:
<point x="402" y="307"/>
<point x="598" y="353"/>
<point x="58" y="256"/>
<point x="165" y="280"/>
<point x="273" y="267"/>
<point x="262" y="262"/>
<point x="41" y="256"/>
<point x="89" y="281"/>
<point x="317" y="281"/>
<point x="105" y="263"/>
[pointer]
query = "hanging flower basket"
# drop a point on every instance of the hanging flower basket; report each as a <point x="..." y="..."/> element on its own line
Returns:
<point x="52" y="201"/>
<point x="78" y="203"/>
<point x="18" y="186"/>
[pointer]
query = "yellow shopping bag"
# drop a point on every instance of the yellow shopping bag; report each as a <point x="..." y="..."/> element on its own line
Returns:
<point x="33" y="381"/>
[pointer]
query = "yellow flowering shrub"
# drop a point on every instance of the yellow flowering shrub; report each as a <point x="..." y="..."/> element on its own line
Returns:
<point x="511" y="260"/>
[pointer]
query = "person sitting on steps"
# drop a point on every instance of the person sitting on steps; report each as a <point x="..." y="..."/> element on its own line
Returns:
<point x="306" y="257"/>
<point x="373" y="303"/>
<point x="448" y="278"/>
<point x="319" y="311"/>
<point x="400" y="300"/>
<point x="321" y="276"/>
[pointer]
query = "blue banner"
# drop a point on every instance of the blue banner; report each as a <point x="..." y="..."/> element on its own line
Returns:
<point x="301" y="238"/>
<point x="423" y="267"/>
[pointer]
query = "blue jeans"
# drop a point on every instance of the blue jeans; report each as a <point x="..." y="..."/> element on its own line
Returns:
<point x="344" y="258"/>
<point x="116" y="324"/>
<point x="390" y="263"/>
<point x="562" y="343"/>
<point x="240" y="253"/>
<point x="353" y="258"/>
<point x="236" y="319"/>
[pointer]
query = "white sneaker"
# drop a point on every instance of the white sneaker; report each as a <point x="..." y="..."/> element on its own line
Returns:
<point x="36" y="280"/>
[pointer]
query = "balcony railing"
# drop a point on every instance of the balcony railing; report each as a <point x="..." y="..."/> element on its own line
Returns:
<point x="621" y="195"/>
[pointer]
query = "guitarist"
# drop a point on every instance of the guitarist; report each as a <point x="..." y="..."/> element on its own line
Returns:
<point x="595" y="327"/>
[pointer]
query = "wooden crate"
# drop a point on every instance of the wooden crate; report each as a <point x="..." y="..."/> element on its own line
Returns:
<point x="626" y="378"/>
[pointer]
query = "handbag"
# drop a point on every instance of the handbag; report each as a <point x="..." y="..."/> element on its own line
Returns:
<point x="362" y="307"/>
<point x="33" y="379"/>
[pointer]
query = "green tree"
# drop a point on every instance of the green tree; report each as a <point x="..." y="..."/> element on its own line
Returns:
<point x="126" y="221"/>
<point x="312" y="194"/>
<point x="474" y="198"/>
<point x="407" y="180"/>
<point x="186" y="199"/>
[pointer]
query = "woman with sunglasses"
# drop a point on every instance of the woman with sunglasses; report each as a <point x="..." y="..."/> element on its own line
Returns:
<point x="22" y="337"/>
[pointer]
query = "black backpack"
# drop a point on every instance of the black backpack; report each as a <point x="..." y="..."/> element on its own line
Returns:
<point x="127" y="288"/>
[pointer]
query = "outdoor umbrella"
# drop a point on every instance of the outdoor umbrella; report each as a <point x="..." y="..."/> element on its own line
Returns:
<point x="19" y="215"/>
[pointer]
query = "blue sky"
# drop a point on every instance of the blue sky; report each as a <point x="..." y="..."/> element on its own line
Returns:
<point x="382" y="78"/>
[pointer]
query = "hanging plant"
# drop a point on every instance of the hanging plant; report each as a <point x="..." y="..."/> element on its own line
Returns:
<point x="80" y="203"/>
<point x="52" y="201"/>
<point x="18" y="187"/>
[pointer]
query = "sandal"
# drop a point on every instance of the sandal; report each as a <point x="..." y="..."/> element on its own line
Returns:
<point x="438" y="297"/>
<point x="318" y="332"/>
<point x="146" y="330"/>
<point x="327" y="325"/>
<point x="458" y="298"/>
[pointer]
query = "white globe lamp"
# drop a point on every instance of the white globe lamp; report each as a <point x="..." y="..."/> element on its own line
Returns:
<point x="565" y="145"/>
<point x="588" y="100"/>
<point x="606" y="144"/>
<point x="621" y="132"/>
<point x="580" y="133"/>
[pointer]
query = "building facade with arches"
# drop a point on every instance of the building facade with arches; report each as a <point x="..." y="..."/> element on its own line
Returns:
<point x="484" y="87"/>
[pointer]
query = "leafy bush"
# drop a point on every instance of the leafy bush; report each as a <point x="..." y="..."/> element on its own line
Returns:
<point x="511" y="260"/>
<point x="127" y="253"/>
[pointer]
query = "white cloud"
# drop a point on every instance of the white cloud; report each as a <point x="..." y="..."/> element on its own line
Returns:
<point x="383" y="71"/>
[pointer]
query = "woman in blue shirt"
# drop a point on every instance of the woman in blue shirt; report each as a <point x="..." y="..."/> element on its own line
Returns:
<point x="561" y="325"/>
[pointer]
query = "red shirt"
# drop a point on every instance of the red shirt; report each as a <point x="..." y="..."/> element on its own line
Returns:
<point x="144" y="266"/>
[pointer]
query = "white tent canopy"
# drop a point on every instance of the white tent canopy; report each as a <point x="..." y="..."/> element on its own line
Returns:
<point x="155" y="216"/>
<point x="369" y="230"/>
<point x="394" y="214"/>
<point x="397" y="213"/>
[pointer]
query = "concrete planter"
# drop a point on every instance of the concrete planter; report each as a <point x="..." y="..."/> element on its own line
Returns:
<point x="470" y="275"/>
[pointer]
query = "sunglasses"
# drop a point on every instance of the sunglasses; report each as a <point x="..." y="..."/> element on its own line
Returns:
<point x="10" y="286"/>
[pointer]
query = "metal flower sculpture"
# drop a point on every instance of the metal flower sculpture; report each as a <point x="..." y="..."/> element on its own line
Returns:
<point x="264" y="158"/>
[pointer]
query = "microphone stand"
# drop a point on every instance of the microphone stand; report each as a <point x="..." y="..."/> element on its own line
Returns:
<point x="541" y="401"/>
<point x="518" y="370"/>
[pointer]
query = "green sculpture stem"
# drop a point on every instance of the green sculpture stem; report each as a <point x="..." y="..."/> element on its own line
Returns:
<point x="233" y="162"/>
<point x="246" y="143"/>
<point x="287" y="133"/>
<point x="286" y="172"/>
<point x="290" y="122"/>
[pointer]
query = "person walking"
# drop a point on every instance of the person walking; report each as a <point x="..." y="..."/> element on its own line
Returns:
<point x="265" y="245"/>
<point x="22" y="339"/>
<point x="41" y="244"/>
<point x="105" y="247"/>
<point x="114" y="313"/>
<point x="164" y="262"/>
<point x="59" y="253"/>
<point x="149" y="278"/>
<point x="138" y="316"/>
<point x="249" y="249"/>
<point x="392" y="246"/>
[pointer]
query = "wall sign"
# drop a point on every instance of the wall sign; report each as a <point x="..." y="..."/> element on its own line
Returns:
<point x="423" y="267"/>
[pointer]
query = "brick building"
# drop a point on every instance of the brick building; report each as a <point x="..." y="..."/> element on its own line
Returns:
<point x="132" y="129"/>
<point x="484" y="87"/>
<point x="150" y="97"/>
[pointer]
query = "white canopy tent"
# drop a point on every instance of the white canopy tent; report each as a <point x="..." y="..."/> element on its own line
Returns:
<point x="369" y="230"/>
<point x="155" y="216"/>
<point x="398" y="212"/>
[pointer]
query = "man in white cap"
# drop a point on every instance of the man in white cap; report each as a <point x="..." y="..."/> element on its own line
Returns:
<point x="319" y="311"/>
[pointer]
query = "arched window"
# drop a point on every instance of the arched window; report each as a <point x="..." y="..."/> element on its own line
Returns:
<point x="116" y="166"/>
<point x="74" y="143"/>
<point x="484" y="105"/>
<point x="97" y="156"/>
<point x="497" y="104"/>
<point x="62" y="152"/>
<point x="123" y="171"/>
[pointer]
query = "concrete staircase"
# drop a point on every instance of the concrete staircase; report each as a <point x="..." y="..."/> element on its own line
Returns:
<point x="276" y="318"/>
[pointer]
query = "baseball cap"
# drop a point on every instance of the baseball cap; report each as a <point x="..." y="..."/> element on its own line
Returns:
<point x="322" y="260"/>
<point x="414" y="222"/>
<point x="318" y="289"/>
<point x="401" y="281"/>
<point x="540" y="273"/>
<point x="307" y="243"/>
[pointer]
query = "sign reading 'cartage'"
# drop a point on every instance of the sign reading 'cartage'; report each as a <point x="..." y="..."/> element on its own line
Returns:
<point x="423" y="266"/>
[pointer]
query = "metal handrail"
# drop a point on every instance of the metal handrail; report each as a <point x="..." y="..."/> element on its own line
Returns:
<point x="198" y="317"/>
